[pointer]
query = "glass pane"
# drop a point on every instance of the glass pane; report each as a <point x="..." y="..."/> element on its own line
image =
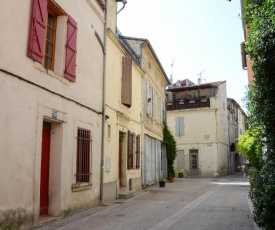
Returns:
<point x="48" y="63"/>
<point x="50" y="34"/>
<point x="49" y="49"/>
<point x="51" y="20"/>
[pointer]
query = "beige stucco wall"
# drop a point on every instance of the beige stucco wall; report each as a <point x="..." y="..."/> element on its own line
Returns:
<point x="121" y="119"/>
<point x="25" y="104"/>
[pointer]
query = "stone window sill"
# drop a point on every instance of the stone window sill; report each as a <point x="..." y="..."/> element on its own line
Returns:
<point x="81" y="187"/>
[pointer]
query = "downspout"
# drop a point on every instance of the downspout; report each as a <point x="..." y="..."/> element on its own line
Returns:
<point x="103" y="101"/>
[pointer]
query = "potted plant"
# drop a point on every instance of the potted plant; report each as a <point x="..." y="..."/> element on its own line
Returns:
<point x="171" y="151"/>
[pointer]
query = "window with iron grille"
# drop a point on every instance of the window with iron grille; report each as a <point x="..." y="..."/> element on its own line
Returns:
<point x="83" y="156"/>
<point x="133" y="152"/>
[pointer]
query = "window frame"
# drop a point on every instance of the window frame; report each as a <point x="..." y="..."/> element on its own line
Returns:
<point x="80" y="176"/>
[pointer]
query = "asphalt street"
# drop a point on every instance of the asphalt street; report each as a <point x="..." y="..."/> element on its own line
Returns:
<point x="188" y="203"/>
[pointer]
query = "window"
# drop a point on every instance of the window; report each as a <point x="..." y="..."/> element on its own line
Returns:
<point x="179" y="121"/>
<point x="126" y="84"/>
<point x="43" y="33"/>
<point x="83" y="156"/>
<point x="148" y="98"/>
<point x="133" y="156"/>
<point x="180" y="159"/>
<point x="161" y="110"/>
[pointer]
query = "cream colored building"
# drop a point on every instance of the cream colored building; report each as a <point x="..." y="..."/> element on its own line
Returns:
<point x="197" y="116"/>
<point x="153" y="91"/>
<point x="127" y="125"/>
<point x="51" y="108"/>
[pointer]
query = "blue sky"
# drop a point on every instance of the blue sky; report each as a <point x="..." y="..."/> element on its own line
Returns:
<point x="199" y="35"/>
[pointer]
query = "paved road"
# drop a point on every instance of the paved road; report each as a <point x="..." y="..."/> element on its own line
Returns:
<point x="188" y="204"/>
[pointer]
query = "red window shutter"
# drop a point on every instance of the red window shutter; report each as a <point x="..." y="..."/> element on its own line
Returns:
<point x="138" y="152"/>
<point x="130" y="150"/>
<point x="70" y="63"/>
<point x="126" y="89"/>
<point x="38" y="25"/>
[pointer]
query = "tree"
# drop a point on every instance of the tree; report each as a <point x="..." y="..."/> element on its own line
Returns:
<point x="260" y="20"/>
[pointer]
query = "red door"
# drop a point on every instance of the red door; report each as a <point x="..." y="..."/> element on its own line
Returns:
<point x="45" y="165"/>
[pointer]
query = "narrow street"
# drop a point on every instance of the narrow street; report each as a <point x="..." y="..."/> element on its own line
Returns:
<point x="188" y="203"/>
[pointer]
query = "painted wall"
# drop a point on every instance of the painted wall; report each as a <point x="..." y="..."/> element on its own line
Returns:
<point x="205" y="130"/>
<point x="121" y="119"/>
<point x="30" y="95"/>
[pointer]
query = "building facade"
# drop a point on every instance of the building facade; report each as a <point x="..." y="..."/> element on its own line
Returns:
<point x="153" y="111"/>
<point x="51" y="108"/>
<point x="197" y="116"/>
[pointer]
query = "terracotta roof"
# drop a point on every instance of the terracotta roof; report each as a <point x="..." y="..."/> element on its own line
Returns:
<point x="102" y="4"/>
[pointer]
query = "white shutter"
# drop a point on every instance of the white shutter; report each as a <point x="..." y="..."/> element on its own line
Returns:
<point x="160" y="110"/>
<point x="147" y="97"/>
<point x="179" y="126"/>
<point x="180" y="159"/>
<point x="153" y="102"/>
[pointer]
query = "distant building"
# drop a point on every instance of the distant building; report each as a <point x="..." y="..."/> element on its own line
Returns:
<point x="236" y="128"/>
<point x="197" y="116"/>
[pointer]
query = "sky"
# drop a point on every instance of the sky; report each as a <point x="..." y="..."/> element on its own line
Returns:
<point x="191" y="38"/>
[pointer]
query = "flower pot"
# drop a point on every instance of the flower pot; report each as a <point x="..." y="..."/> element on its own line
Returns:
<point x="171" y="179"/>
<point x="162" y="184"/>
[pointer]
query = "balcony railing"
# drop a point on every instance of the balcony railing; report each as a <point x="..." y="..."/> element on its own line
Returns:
<point x="188" y="105"/>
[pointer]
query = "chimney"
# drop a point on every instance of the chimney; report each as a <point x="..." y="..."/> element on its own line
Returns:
<point x="199" y="81"/>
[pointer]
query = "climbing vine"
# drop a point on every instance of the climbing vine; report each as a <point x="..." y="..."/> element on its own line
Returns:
<point x="171" y="150"/>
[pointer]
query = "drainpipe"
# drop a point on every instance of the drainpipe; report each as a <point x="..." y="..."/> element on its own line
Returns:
<point x="103" y="101"/>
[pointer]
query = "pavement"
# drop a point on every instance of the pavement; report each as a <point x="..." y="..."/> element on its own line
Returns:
<point x="188" y="203"/>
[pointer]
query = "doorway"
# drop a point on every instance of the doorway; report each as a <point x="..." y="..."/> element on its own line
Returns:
<point x="122" y="161"/>
<point x="193" y="162"/>
<point x="45" y="168"/>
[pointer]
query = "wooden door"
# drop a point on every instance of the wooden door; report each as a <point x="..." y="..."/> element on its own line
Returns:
<point x="45" y="166"/>
<point x="193" y="163"/>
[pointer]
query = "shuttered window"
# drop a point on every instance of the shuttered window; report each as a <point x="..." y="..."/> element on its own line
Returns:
<point x="138" y="152"/>
<point x="83" y="156"/>
<point x="126" y="84"/>
<point x="36" y="47"/>
<point x="133" y="151"/>
<point x="42" y="37"/>
<point x="160" y="110"/>
<point x="70" y="63"/>
<point x="130" y="150"/>
<point x="148" y="98"/>
<point x="180" y="159"/>
<point x="153" y="102"/>
<point x="179" y="123"/>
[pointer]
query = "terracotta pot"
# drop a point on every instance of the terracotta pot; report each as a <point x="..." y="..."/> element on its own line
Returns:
<point x="171" y="179"/>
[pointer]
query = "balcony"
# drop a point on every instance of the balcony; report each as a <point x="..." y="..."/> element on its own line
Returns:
<point x="188" y="104"/>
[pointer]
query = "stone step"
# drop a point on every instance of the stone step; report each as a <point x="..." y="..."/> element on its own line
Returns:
<point x="125" y="195"/>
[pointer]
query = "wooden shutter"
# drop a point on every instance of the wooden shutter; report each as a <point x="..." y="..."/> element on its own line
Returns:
<point x="126" y="84"/>
<point x="70" y="63"/>
<point x="38" y="25"/>
<point x="130" y="150"/>
<point x="243" y="52"/>
<point x="180" y="159"/>
<point x="161" y="110"/>
<point x="153" y="102"/>
<point x="147" y="97"/>
<point x="179" y="121"/>
<point x="138" y="152"/>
